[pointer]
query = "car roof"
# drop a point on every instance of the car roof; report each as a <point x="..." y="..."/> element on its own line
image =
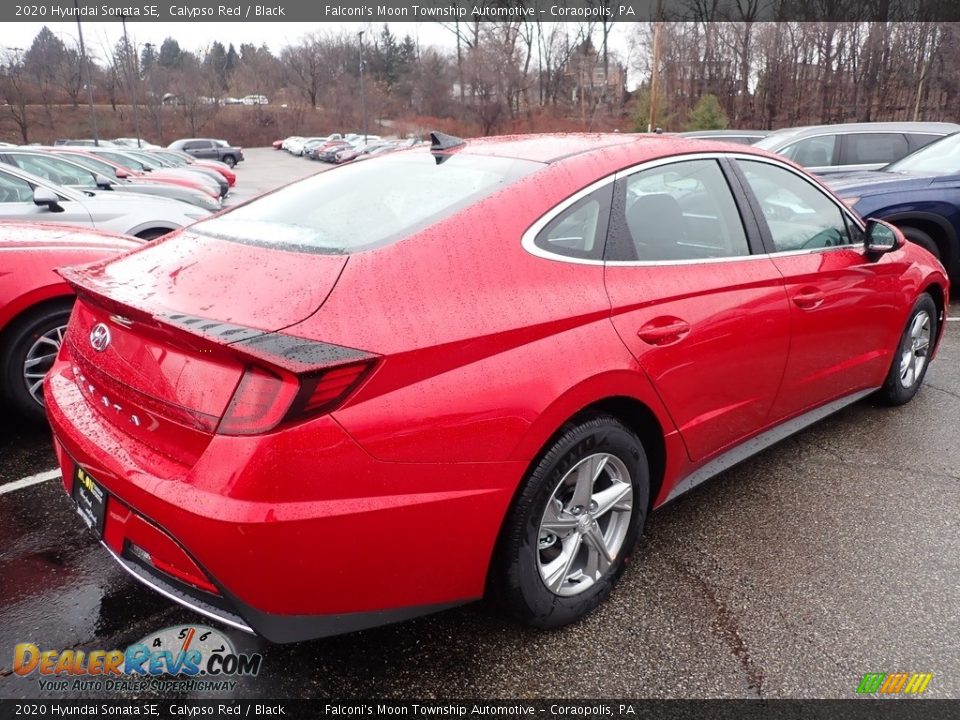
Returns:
<point x="555" y="147"/>
<point x="796" y="133"/>
<point x="725" y="133"/>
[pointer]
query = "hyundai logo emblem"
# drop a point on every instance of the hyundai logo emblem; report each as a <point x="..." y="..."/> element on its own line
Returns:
<point x="100" y="337"/>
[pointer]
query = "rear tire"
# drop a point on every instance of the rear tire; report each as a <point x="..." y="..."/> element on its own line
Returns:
<point x="550" y="568"/>
<point x="149" y="235"/>
<point x="29" y="348"/>
<point x="911" y="360"/>
<point x="919" y="237"/>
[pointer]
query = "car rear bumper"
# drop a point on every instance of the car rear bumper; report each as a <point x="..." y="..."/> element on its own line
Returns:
<point x="297" y="534"/>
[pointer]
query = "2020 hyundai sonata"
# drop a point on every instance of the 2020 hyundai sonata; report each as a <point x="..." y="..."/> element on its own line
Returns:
<point x="465" y="370"/>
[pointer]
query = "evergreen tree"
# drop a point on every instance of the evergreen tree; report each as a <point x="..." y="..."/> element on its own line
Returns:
<point x="171" y="56"/>
<point x="707" y="115"/>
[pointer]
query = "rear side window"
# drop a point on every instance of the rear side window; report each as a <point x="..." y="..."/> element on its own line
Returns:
<point x="579" y="230"/>
<point x="872" y="148"/>
<point x="360" y="206"/>
<point x="919" y="140"/>
<point x="680" y="211"/>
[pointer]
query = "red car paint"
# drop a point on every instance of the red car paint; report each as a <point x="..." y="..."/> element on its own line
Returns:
<point x="461" y="353"/>
<point x="31" y="253"/>
<point x="229" y="175"/>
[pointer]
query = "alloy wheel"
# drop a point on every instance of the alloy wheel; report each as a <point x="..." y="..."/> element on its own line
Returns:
<point x="584" y="524"/>
<point x="39" y="360"/>
<point x="914" y="355"/>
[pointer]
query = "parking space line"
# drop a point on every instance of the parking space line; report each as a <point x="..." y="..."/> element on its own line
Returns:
<point x="29" y="480"/>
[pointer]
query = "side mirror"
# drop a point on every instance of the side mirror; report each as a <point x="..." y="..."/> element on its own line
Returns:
<point x="103" y="183"/>
<point x="881" y="237"/>
<point x="121" y="173"/>
<point x="47" y="197"/>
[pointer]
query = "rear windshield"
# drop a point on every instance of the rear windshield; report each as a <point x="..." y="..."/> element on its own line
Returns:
<point x="366" y="204"/>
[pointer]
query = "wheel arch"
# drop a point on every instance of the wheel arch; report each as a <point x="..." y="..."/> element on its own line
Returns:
<point x="28" y="302"/>
<point x="936" y="291"/>
<point x="635" y="414"/>
<point x="937" y="227"/>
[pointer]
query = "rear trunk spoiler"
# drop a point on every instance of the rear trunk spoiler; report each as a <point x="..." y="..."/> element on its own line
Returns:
<point x="294" y="354"/>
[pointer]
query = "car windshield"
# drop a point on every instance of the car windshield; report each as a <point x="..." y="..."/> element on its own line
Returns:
<point x="938" y="158"/>
<point x="360" y="206"/>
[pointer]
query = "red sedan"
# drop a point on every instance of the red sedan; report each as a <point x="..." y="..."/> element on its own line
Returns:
<point x="465" y="370"/>
<point x="35" y="302"/>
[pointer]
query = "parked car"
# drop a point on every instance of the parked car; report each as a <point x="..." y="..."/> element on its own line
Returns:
<point x="460" y="406"/>
<point x="86" y="143"/>
<point x="35" y="302"/>
<point x="920" y="194"/>
<point x="352" y="153"/>
<point x="80" y="174"/>
<point x="130" y="171"/>
<point x="850" y="147"/>
<point x="208" y="149"/>
<point x="741" y="137"/>
<point x="152" y="161"/>
<point x="28" y="197"/>
<point x="327" y="152"/>
<point x="255" y="100"/>
<point x="182" y="159"/>
<point x="287" y="142"/>
<point x="216" y="186"/>
<point x="138" y="143"/>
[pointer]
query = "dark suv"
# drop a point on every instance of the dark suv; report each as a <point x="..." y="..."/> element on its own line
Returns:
<point x="208" y="149"/>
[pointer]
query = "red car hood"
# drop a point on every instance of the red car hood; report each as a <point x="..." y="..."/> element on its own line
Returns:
<point x="208" y="278"/>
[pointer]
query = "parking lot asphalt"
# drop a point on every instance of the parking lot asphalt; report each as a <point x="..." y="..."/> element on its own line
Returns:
<point x="830" y="555"/>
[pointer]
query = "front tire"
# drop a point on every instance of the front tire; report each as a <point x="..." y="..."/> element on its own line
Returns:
<point x="919" y="237"/>
<point x="230" y="161"/>
<point x="29" y="348"/>
<point x="571" y="530"/>
<point x="911" y="360"/>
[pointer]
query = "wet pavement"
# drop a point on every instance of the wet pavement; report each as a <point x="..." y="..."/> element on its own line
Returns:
<point x="833" y="554"/>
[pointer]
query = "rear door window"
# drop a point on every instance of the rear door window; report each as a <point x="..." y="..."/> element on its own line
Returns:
<point x="812" y="152"/>
<point x="679" y="211"/>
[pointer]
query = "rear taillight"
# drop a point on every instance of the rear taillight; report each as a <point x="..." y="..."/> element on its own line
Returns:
<point x="259" y="403"/>
<point x="264" y="399"/>
<point x="324" y="392"/>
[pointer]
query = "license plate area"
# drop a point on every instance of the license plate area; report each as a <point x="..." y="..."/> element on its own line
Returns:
<point x="90" y="500"/>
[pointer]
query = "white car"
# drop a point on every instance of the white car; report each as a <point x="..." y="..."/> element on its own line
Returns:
<point x="26" y="197"/>
<point x="132" y="143"/>
<point x="255" y="100"/>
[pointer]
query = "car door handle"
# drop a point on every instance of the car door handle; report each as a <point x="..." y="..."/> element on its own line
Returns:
<point x="663" y="330"/>
<point x="808" y="298"/>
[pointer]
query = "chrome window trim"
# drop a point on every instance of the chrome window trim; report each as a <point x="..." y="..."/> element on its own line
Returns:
<point x="528" y="238"/>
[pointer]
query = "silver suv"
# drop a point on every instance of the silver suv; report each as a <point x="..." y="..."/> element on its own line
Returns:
<point x="850" y="147"/>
